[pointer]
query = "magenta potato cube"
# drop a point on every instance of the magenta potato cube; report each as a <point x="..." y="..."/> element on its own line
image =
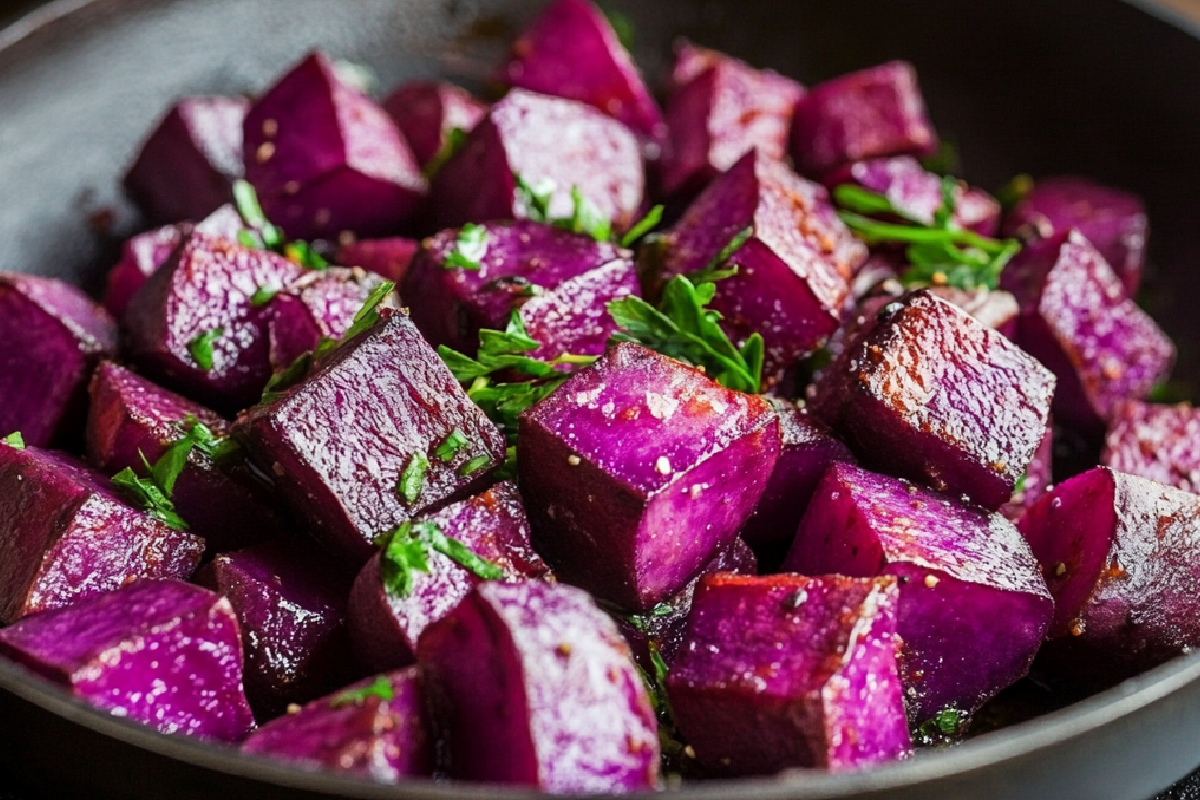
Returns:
<point x="318" y="305"/>
<point x="795" y="268"/>
<point x="129" y="417"/>
<point x="389" y="257"/>
<point x="638" y="470"/>
<point x="385" y="627"/>
<point x="291" y="609"/>
<point x="325" y="158"/>
<point x="67" y="537"/>
<point x="1112" y="220"/>
<point x="786" y="671"/>
<point x="340" y="440"/>
<point x="570" y="276"/>
<point x="1037" y="480"/>
<point x="535" y="687"/>
<point x="1158" y="442"/>
<point x="571" y="51"/>
<point x="1101" y="346"/>
<point x="973" y="606"/>
<point x="52" y="337"/>
<point x="992" y="308"/>
<point x="186" y="168"/>
<point x="720" y="114"/>
<point x="544" y="140"/>
<point x="374" y="729"/>
<point x="161" y="652"/>
<point x="427" y="111"/>
<point x="205" y="292"/>
<point x="872" y="113"/>
<point x="1120" y="555"/>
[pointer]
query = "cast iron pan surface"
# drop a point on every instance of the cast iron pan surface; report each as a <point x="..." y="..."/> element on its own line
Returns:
<point x="1097" y="87"/>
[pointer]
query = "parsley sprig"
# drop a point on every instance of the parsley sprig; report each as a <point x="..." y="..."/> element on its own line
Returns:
<point x="261" y="234"/>
<point x="405" y="552"/>
<point x="469" y="248"/>
<point x="14" y="440"/>
<point x="943" y="727"/>
<point x="455" y="139"/>
<point x="201" y="347"/>
<point x="939" y="253"/>
<point x="381" y="687"/>
<point x="673" y="751"/>
<point x="584" y="218"/>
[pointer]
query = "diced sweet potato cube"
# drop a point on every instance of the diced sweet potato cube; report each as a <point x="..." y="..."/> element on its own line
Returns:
<point x="1158" y="442"/>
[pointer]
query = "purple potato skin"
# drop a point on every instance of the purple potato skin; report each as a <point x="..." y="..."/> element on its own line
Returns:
<point x="722" y="113"/>
<point x="389" y="257"/>
<point x="1158" y="442"/>
<point x="541" y="138"/>
<point x="385" y="628"/>
<point x="344" y="436"/>
<point x="67" y="537"/>
<point x="571" y="51"/>
<point x="326" y="159"/>
<point x="1039" y="478"/>
<point x="427" y="111"/>
<point x="291" y="609"/>
<point x="534" y="686"/>
<point x="574" y="278"/>
<point x="187" y="166"/>
<point x="928" y="393"/>
<point x="53" y="337"/>
<point x="973" y="606"/>
<point x="618" y="468"/>
<point x="1112" y="220"/>
<point x="872" y="113"/>
<point x="1101" y="346"/>
<point x="787" y="671"/>
<point x="161" y="652"/>
<point x="130" y="417"/>
<point x="1119" y="554"/>
<point x="318" y="305"/>
<point x="384" y="740"/>
<point x="794" y="270"/>
<point x="206" y="286"/>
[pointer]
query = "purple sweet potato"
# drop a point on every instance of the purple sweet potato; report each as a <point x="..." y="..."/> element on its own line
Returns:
<point x="388" y="257"/>
<point x="201" y="302"/>
<point x="973" y="606"/>
<point x="873" y="113"/>
<point x="1079" y="322"/>
<point x="1120" y="555"/>
<point x="559" y="281"/>
<point x="53" y="336"/>
<point x="374" y="729"/>
<point x="1158" y="442"/>
<point x="794" y="269"/>
<point x="571" y="51"/>
<point x="325" y="158"/>
<point x="186" y="168"/>
<point x="317" y="305"/>
<point x="1112" y="220"/>
<point x="161" y="652"/>
<point x="1036" y="481"/>
<point x="992" y="308"/>
<point x="426" y="112"/>
<point x="385" y="626"/>
<point x="129" y="417"/>
<point x="67" y="537"/>
<point x="926" y="392"/>
<point x="786" y="671"/>
<point x="291" y="609"/>
<point x="373" y="411"/>
<point x="718" y="115"/>
<point x="638" y="470"/>
<point x="535" y="687"/>
<point x="544" y="140"/>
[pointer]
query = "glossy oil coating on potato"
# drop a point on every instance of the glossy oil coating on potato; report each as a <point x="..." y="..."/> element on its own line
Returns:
<point x="388" y="257"/>
<point x="1159" y="442"/>
<point x="316" y="306"/>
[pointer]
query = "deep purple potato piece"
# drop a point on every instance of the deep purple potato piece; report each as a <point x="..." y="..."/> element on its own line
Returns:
<point x="1119" y="554"/>
<point x="571" y="51"/>
<point x="1158" y="442"/>
<point x="384" y="740"/>
<point x="992" y="308"/>
<point x="427" y="111"/>
<point x="187" y="166"/>
<point x="1037" y="480"/>
<point x="534" y="686"/>
<point x="161" y="652"/>
<point x="52" y="336"/>
<point x="541" y="138"/>
<point x="637" y="470"/>
<point x="388" y="257"/>
<point x="342" y="438"/>
<point x="786" y="671"/>
<point x="318" y="305"/>
<point x="385" y="627"/>
<point x="326" y="159"/>
<point x="573" y="278"/>
<point x="973" y="606"/>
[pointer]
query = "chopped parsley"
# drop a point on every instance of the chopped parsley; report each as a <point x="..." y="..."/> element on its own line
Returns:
<point x="469" y="248"/>
<point x="455" y="441"/>
<point x="261" y="234"/>
<point x="381" y="687"/>
<point x="302" y="253"/>
<point x="585" y="218"/>
<point x="455" y="139"/>
<point x="405" y="552"/>
<point x="15" y="440"/>
<point x="719" y="268"/>
<point x="262" y="295"/>
<point x="412" y="479"/>
<point x="201" y="347"/>
<point x="1014" y="191"/>
<point x="199" y="436"/>
<point x="152" y="494"/>
<point x="1020" y="484"/>
<point x="534" y="200"/>
<point x="622" y="27"/>
<point x="943" y="726"/>
<point x="642" y="226"/>
<point x="944" y="160"/>
<point x="474" y="465"/>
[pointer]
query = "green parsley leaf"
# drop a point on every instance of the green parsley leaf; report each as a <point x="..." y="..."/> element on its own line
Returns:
<point x="474" y="465"/>
<point x="720" y="268"/>
<point x="469" y="248"/>
<point x="146" y="494"/>
<point x="201" y="347"/>
<point x="455" y="139"/>
<point x="15" y="440"/>
<point x="412" y="479"/>
<point x="585" y="218"/>
<point x="287" y="378"/>
<point x="622" y="27"/>
<point x="381" y="687"/>
<point x="1020" y="484"/>
<point x="1173" y="391"/>
<point x="302" y="253"/>
<point x="944" y="160"/>
<point x="462" y="555"/>
<point x="262" y="295"/>
<point x="219" y="448"/>
<point x="534" y="200"/>
<point x="368" y="315"/>
<point x="945" y="724"/>
<point x="455" y="441"/>
<point x="1014" y="191"/>
<point x="245" y="199"/>
<point x="642" y="226"/>
<point x="405" y="552"/>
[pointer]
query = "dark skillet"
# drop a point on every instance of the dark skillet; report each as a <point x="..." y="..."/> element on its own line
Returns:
<point x="1098" y="87"/>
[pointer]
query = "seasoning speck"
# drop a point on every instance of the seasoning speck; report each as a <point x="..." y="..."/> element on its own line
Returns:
<point x="1060" y="570"/>
<point x="931" y="581"/>
<point x="264" y="152"/>
<point x="574" y="460"/>
<point x="663" y="465"/>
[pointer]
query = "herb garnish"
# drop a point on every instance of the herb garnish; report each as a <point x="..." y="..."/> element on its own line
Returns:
<point x="405" y="551"/>
<point x="381" y="687"/>
<point x="153" y="493"/>
<point x="1014" y="191"/>
<point x="621" y="26"/>
<point x="656" y="687"/>
<point x="451" y="445"/>
<point x="15" y="440"/>
<point x="1019" y="486"/>
<point x="201" y="347"/>
<point x="412" y="479"/>
<point x="534" y="199"/>
<point x="642" y="226"/>
<point x="262" y="295"/>
<point x="261" y="234"/>
<point x="944" y="160"/>
<point x="719" y="268"/>
<point x="469" y="248"/>
<point x="585" y="218"/>
<point x="455" y="139"/>
<point x="302" y="253"/>
<point x="198" y="435"/>
<point x="474" y="465"/>
<point x="945" y="724"/>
